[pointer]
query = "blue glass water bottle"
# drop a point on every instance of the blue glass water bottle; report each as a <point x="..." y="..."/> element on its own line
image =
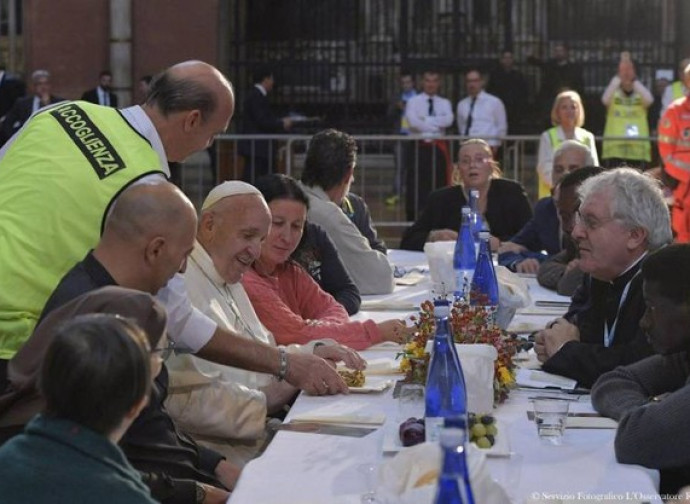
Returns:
<point x="445" y="394"/>
<point x="454" y="482"/>
<point x="464" y="258"/>
<point x="476" y="220"/>
<point x="484" y="291"/>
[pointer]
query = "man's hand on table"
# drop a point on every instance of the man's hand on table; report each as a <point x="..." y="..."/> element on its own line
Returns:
<point x="550" y="340"/>
<point x="338" y="353"/>
<point x="509" y="246"/>
<point x="314" y="375"/>
<point x="442" y="235"/>
<point x="529" y="265"/>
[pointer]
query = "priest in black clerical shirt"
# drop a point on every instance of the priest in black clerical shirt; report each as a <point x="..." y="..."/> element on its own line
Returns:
<point x="622" y="217"/>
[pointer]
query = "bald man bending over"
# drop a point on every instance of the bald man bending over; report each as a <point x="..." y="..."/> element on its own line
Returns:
<point x="60" y="174"/>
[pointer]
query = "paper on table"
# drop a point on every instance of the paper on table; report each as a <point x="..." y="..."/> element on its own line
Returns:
<point x="542" y="310"/>
<point x="341" y="412"/>
<point x="411" y="278"/>
<point x="541" y="379"/>
<point x="590" y="422"/>
<point x="524" y="327"/>
<point x="382" y="305"/>
<point x="585" y="421"/>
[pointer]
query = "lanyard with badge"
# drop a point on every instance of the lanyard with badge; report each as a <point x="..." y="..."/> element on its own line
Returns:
<point x="610" y="333"/>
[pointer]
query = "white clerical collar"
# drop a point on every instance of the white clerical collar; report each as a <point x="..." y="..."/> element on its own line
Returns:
<point x="632" y="265"/>
<point x="205" y="263"/>
<point x="644" y="254"/>
<point x="141" y="122"/>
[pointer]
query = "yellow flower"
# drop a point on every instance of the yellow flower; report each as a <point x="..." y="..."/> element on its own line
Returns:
<point x="418" y="352"/>
<point x="504" y="375"/>
<point x="410" y="347"/>
<point x="405" y="365"/>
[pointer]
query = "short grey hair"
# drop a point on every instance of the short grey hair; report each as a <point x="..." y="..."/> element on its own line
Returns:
<point x="40" y="74"/>
<point x="636" y="201"/>
<point x="575" y="145"/>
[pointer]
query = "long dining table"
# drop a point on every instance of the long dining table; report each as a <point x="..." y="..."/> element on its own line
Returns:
<point x="301" y="468"/>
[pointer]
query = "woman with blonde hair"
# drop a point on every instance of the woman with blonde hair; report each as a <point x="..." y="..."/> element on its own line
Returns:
<point x="567" y="117"/>
<point x="503" y="203"/>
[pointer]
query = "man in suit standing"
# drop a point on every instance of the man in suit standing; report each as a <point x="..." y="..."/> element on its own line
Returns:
<point x="102" y="94"/>
<point x="429" y="166"/>
<point x="259" y="155"/>
<point x="480" y="114"/>
<point x="24" y="107"/>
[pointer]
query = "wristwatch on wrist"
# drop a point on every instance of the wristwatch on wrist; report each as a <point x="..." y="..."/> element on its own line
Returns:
<point x="200" y="493"/>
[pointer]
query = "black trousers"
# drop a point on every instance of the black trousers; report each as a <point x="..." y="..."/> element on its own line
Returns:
<point x="426" y="172"/>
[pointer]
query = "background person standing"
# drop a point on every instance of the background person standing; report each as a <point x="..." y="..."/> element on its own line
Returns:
<point x="430" y="166"/>
<point x="102" y="94"/>
<point x="260" y="155"/>
<point x="626" y="100"/>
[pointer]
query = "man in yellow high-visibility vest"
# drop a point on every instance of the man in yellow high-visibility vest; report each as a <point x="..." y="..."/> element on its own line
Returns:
<point x="626" y="100"/>
<point x="677" y="89"/>
<point x="61" y="173"/>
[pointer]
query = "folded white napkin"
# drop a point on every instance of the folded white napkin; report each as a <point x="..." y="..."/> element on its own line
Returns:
<point x="341" y="412"/>
<point x="590" y="422"/>
<point x="391" y="305"/>
<point x="541" y="379"/>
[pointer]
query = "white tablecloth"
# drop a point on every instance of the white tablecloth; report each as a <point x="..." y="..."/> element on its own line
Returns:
<point x="315" y="468"/>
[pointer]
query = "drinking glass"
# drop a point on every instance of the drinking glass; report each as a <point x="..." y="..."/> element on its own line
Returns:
<point x="411" y="401"/>
<point x="550" y="417"/>
<point x="368" y="472"/>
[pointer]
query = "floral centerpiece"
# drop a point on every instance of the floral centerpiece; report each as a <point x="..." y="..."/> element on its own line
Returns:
<point x="469" y="325"/>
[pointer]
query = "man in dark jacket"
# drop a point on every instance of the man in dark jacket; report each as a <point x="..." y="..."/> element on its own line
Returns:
<point x="24" y="107"/>
<point x="102" y="94"/>
<point x="259" y="155"/>
<point x="623" y="216"/>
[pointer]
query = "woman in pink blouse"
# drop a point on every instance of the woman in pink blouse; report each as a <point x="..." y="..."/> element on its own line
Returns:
<point x="287" y="300"/>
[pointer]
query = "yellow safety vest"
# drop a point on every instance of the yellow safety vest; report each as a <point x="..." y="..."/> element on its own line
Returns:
<point x="627" y="117"/>
<point x="58" y="179"/>
<point x="677" y="90"/>
<point x="544" y="188"/>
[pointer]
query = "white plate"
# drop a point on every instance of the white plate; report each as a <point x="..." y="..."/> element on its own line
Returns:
<point x="373" y="383"/>
<point x="501" y="447"/>
<point x="377" y="366"/>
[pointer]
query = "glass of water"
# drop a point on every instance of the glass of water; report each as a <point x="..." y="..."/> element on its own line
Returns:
<point x="411" y="401"/>
<point x="550" y="417"/>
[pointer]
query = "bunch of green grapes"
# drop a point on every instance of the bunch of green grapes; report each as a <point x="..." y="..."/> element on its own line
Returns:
<point x="482" y="430"/>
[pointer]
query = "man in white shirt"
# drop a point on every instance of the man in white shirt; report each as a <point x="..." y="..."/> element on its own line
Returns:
<point x="430" y="165"/>
<point x="480" y="114"/>
<point x="189" y="104"/>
